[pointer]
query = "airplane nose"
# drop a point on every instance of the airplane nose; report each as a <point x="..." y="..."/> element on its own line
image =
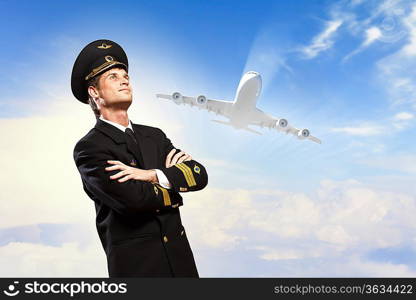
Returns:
<point x="252" y="75"/>
<point x="256" y="77"/>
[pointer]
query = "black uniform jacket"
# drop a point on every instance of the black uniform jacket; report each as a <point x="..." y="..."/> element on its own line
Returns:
<point x="138" y="222"/>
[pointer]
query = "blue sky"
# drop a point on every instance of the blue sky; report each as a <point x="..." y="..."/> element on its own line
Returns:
<point x="343" y="69"/>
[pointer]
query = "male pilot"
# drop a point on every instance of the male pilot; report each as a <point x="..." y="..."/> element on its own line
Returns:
<point x="132" y="173"/>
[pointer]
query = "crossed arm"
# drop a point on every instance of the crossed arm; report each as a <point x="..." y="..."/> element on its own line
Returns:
<point x="143" y="193"/>
<point x="127" y="172"/>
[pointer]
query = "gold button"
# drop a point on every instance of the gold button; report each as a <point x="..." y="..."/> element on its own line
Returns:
<point x="157" y="210"/>
<point x="165" y="239"/>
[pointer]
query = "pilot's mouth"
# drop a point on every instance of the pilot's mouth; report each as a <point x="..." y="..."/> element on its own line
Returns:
<point x="124" y="90"/>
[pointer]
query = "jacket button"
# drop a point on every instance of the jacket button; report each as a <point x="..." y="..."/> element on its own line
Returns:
<point x="182" y="232"/>
<point x="157" y="210"/>
<point x="165" y="239"/>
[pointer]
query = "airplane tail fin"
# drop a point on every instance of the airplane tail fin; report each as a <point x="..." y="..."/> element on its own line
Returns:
<point x="229" y="124"/>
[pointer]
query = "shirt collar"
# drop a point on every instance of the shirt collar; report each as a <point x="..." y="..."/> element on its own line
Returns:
<point x="121" y="127"/>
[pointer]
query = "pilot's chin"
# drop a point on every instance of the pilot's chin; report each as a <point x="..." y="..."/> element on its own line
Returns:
<point x="123" y="103"/>
<point x="127" y="99"/>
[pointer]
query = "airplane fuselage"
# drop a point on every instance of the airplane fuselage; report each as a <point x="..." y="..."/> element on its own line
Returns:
<point x="245" y="100"/>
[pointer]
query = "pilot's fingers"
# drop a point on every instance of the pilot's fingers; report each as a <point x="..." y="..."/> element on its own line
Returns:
<point x="118" y="175"/>
<point x="184" y="158"/>
<point x="169" y="157"/>
<point x="176" y="157"/>
<point x="115" y="162"/>
<point x="189" y="158"/>
<point x="116" y="167"/>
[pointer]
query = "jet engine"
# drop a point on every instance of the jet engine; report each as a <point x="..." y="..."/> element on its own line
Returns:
<point x="281" y="123"/>
<point x="304" y="133"/>
<point x="201" y="100"/>
<point x="177" y="97"/>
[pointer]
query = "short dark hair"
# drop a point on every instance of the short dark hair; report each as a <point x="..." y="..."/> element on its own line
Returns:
<point x="95" y="83"/>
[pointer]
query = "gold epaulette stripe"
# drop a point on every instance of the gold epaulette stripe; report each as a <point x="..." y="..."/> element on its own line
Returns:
<point x="166" y="197"/>
<point x="187" y="172"/>
<point x="188" y="180"/>
<point x="191" y="175"/>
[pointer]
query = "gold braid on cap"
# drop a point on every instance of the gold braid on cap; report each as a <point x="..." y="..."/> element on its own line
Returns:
<point x="103" y="67"/>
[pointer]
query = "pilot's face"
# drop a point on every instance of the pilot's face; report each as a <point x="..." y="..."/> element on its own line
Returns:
<point x="114" y="88"/>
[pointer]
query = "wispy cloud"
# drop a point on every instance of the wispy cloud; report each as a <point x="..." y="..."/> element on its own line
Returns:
<point x="267" y="56"/>
<point x="403" y="163"/>
<point x="372" y="35"/>
<point x="385" y="126"/>
<point x="361" y="130"/>
<point x="398" y="69"/>
<point x="404" y="116"/>
<point x="323" y="41"/>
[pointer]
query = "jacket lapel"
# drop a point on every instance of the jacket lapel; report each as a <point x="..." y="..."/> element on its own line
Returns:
<point x="111" y="131"/>
<point x="118" y="137"/>
<point x="147" y="146"/>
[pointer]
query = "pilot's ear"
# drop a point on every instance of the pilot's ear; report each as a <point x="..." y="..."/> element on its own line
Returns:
<point x="93" y="92"/>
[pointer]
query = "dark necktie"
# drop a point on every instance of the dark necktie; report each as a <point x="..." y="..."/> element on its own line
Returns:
<point x="131" y="139"/>
<point x="130" y="133"/>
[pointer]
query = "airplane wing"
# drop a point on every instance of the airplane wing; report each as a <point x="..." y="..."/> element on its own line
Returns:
<point x="264" y="120"/>
<point x="220" y="107"/>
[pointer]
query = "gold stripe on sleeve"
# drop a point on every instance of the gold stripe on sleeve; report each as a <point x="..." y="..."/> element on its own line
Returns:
<point x="185" y="174"/>
<point x="188" y="174"/>
<point x="166" y="197"/>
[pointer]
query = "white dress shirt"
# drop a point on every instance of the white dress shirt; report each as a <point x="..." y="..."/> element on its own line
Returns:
<point x="163" y="181"/>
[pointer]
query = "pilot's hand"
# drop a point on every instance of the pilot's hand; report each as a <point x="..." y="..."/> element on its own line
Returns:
<point x="128" y="172"/>
<point x="179" y="157"/>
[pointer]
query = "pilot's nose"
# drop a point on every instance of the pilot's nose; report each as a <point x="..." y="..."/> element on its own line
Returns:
<point x="125" y="81"/>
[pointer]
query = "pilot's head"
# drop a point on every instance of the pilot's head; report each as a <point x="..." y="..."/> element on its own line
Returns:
<point x="100" y="77"/>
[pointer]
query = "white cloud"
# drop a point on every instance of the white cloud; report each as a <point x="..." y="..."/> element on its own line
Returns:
<point x="403" y="116"/>
<point x="362" y="130"/>
<point x="386" y="126"/>
<point x="37" y="260"/>
<point x="397" y="71"/>
<point x="402" y="120"/>
<point x="404" y="163"/>
<point x="340" y="224"/>
<point x="322" y="41"/>
<point x="372" y="34"/>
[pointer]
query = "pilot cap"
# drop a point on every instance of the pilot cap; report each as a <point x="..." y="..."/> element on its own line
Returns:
<point x="96" y="58"/>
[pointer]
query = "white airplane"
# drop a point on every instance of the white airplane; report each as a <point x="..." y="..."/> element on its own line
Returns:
<point x="242" y="111"/>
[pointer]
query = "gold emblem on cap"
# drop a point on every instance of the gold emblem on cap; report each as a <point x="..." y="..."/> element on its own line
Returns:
<point x="104" y="46"/>
<point x="109" y="58"/>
